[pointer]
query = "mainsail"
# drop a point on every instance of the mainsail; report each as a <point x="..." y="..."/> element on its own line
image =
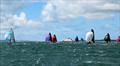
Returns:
<point x="9" y="35"/>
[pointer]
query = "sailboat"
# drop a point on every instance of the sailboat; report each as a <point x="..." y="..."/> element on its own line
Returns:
<point x="9" y="36"/>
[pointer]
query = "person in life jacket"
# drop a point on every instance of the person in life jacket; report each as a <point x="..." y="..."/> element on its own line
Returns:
<point x="48" y="38"/>
<point x="9" y="36"/>
<point x="107" y="38"/>
<point x="76" y="39"/>
<point x="54" y="38"/>
<point x="118" y="39"/>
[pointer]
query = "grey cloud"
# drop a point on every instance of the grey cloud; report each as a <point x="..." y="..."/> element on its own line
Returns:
<point x="75" y="8"/>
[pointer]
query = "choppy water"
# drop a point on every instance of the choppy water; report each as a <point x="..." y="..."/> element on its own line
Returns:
<point x="60" y="54"/>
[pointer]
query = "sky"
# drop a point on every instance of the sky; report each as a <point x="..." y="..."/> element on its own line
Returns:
<point x="34" y="19"/>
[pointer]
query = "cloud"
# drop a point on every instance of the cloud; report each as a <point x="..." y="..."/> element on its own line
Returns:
<point x="18" y="21"/>
<point x="93" y="9"/>
<point x="9" y="8"/>
<point x="48" y="12"/>
<point x="22" y="20"/>
<point x="8" y="17"/>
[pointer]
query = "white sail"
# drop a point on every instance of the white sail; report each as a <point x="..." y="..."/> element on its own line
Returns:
<point x="89" y="36"/>
<point x="9" y="35"/>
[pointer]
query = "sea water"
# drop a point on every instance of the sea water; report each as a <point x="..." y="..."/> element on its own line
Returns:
<point x="59" y="54"/>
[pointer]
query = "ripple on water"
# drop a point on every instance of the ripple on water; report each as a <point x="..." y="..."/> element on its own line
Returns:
<point x="87" y="54"/>
<point x="101" y="55"/>
<point x="74" y="50"/>
<point x="37" y="62"/>
<point x="24" y="43"/>
<point x="88" y="61"/>
<point x="23" y="50"/>
<point x="100" y="51"/>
